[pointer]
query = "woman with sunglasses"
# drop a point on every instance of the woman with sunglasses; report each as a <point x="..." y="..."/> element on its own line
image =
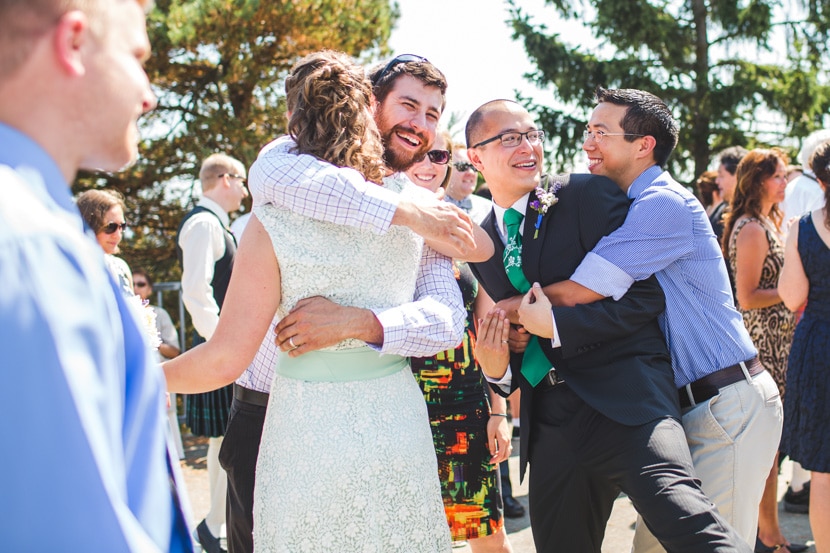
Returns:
<point x="469" y="432"/>
<point x="103" y="212"/>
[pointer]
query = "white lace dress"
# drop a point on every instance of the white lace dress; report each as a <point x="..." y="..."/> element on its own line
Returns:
<point x="346" y="463"/>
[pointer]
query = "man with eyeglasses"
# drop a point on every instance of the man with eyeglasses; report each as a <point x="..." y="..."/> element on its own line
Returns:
<point x="730" y="407"/>
<point x="601" y="406"/>
<point x="206" y="248"/>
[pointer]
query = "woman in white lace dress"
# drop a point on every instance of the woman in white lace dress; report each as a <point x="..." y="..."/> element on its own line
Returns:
<point x="346" y="461"/>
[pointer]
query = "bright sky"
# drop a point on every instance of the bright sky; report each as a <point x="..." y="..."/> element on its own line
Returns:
<point x="469" y="41"/>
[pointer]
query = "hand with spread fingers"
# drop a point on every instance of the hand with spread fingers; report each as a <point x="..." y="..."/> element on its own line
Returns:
<point x="492" y="351"/>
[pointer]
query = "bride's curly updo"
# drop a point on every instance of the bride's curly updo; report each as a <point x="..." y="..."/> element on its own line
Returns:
<point x="330" y="117"/>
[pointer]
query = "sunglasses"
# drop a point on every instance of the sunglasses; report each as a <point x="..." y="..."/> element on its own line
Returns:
<point x="462" y="166"/>
<point x="441" y="157"/>
<point x="139" y="284"/>
<point x="403" y="58"/>
<point x="232" y="175"/>
<point x="112" y="227"/>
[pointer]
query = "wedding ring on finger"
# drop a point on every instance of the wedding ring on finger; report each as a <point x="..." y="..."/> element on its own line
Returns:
<point x="505" y="341"/>
<point x="292" y="344"/>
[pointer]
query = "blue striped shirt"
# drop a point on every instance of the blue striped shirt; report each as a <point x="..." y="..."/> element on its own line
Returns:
<point x="667" y="234"/>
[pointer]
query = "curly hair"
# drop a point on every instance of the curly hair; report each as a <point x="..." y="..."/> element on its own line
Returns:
<point x="820" y="164"/>
<point x="94" y="205"/>
<point x="328" y="98"/>
<point x="755" y="167"/>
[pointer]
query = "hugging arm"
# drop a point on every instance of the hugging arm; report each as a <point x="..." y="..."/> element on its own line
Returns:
<point x="431" y="323"/>
<point x="340" y="195"/>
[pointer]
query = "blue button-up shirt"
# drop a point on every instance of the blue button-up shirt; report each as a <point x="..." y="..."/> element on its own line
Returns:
<point x="85" y="458"/>
<point x="667" y="234"/>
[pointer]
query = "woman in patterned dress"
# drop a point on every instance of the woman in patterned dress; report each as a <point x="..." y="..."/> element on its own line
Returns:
<point x="470" y="434"/>
<point x="806" y="277"/>
<point x="754" y="248"/>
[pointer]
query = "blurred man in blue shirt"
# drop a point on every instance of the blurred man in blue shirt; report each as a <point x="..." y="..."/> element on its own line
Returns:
<point x="86" y="463"/>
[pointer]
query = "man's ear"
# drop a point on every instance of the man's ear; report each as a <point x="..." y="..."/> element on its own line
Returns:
<point x="71" y="38"/>
<point x="646" y="149"/>
<point x="475" y="158"/>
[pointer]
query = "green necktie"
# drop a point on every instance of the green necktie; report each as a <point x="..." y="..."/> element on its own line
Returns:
<point x="535" y="364"/>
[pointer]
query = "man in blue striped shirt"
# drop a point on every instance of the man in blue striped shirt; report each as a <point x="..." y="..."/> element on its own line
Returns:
<point x="731" y="410"/>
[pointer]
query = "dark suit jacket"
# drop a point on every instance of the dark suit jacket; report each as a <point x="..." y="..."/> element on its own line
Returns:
<point x="613" y="354"/>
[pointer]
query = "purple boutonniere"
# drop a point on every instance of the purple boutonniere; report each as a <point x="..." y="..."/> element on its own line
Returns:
<point x="544" y="199"/>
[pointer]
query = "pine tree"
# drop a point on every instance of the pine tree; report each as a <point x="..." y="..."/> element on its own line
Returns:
<point x="733" y="71"/>
<point x="217" y="68"/>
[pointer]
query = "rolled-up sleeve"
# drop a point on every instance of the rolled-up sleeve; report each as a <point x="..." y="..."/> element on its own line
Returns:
<point x="657" y="231"/>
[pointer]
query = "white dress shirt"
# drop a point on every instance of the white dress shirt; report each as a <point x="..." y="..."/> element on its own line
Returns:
<point x="202" y="240"/>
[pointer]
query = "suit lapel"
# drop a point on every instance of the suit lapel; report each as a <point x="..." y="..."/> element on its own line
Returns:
<point x="532" y="240"/>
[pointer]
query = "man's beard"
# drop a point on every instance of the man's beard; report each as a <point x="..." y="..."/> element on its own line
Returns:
<point x="401" y="160"/>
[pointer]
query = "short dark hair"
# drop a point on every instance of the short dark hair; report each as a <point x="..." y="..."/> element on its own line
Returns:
<point x="424" y="71"/>
<point x="647" y="115"/>
<point x="731" y="157"/>
<point x="477" y="118"/>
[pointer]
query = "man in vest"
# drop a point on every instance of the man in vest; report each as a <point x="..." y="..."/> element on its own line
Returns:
<point x="206" y="250"/>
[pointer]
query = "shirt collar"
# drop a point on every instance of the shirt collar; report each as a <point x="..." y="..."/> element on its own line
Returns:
<point x="643" y="181"/>
<point x="520" y="206"/>
<point x="217" y="209"/>
<point x="25" y="156"/>
<point x="466" y="204"/>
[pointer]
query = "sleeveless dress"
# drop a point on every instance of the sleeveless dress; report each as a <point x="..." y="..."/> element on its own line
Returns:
<point x="346" y="461"/>
<point x="771" y="328"/>
<point x="456" y="398"/>
<point x="806" y="436"/>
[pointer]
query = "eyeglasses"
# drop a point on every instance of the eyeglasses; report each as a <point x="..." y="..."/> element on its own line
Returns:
<point x="139" y="284"/>
<point x="513" y="139"/>
<point x="231" y="175"/>
<point x="599" y="136"/>
<point x="441" y="157"/>
<point x="462" y="166"/>
<point x="403" y="58"/>
<point x="112" y="227"/>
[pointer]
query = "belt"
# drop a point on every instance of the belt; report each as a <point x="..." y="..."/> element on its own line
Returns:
<point x="710" y="385"/>
<point x="550" y="380"/>
<point x="253" y="397"/>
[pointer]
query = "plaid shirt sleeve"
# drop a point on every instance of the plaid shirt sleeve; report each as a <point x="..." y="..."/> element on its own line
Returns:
<point x="316" y="189"/>
<point x="434" y="321"/>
